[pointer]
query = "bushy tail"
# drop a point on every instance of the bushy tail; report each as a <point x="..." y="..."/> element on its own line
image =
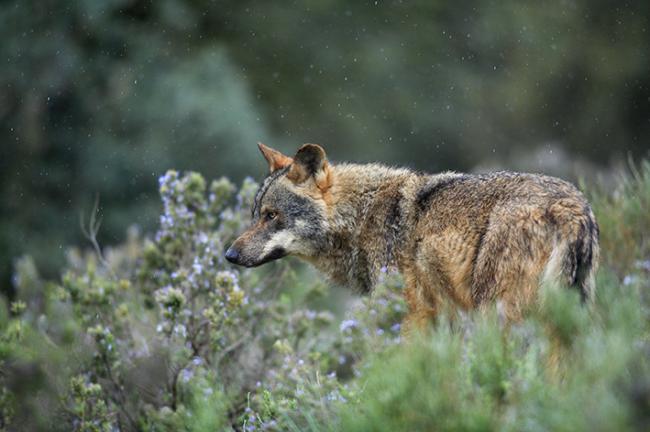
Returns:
<point x="582" y="260"/>
<point x="574" y="260"/>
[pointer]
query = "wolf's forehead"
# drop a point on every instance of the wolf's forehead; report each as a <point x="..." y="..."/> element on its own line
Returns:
<point x="279" y="195"/>
<point x="266" y="185"/>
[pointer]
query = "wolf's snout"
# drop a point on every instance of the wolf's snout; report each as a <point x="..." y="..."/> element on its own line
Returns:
<point x="232" y="255"/>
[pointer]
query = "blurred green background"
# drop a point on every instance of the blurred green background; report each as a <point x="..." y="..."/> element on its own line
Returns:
<point x="100" y="97"/>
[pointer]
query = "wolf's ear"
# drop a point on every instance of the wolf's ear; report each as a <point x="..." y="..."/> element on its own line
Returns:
<point x="311" y="162"/>
<point x="275" y="159"/>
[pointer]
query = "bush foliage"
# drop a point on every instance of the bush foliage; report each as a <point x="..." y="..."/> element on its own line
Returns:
<point x="162" y="334"/>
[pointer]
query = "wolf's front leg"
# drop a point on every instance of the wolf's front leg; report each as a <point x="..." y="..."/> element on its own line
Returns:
<point x="417" y="322"/>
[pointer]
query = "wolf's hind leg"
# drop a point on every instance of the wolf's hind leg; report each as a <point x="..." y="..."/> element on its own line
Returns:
<point x="509" y="261"/>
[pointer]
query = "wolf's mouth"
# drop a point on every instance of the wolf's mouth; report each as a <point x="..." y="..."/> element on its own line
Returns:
<point x="276" y="253"/>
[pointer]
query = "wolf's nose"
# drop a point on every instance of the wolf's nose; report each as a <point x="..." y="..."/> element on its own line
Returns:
<point x="232" y="255"/>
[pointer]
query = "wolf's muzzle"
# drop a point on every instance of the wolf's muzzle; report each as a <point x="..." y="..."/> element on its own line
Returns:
<point x="240" y="258"/>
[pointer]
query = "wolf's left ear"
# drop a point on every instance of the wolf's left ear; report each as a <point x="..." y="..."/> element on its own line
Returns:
<point x="275" y="159"/>
<point x="311" y="162"/>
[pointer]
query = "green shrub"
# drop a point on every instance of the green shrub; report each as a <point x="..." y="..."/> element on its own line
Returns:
<point x="624" y="221"/>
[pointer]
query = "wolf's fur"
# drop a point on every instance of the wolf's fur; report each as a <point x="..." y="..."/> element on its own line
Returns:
<point x="459" y="239"/>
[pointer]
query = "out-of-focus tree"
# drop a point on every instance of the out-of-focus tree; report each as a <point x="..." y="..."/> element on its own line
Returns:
<point x="439" y="84"/>
<point x="100" y="97"/>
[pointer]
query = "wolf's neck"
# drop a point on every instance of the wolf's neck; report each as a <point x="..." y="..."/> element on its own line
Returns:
<point x="371" y="214"/>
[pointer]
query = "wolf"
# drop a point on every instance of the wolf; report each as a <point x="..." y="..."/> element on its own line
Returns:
<point x="459" y="240"/>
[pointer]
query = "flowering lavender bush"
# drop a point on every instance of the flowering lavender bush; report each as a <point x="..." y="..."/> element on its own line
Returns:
<point x="162" y="334"/>
<point x="168" y="336"/>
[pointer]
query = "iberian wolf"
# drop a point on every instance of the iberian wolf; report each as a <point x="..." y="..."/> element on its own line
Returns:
<point x="459" y="239"/>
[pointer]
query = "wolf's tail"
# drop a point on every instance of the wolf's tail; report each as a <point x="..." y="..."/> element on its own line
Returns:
<point x="574" y="259"/>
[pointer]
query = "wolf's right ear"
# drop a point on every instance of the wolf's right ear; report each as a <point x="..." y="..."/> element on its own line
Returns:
<point x="311" y="162"/>
<point x="275" y="159"/>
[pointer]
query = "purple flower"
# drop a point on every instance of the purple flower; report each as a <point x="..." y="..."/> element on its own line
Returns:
<point x="186" y="375"/>
<point x="629" y="280"/>
<point x="166" y="221"/>
<point x="644" y="265"/>
<point x="348" y="324"/>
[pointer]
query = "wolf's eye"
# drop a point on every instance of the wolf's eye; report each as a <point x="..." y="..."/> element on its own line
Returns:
<point x="271" y="215"/>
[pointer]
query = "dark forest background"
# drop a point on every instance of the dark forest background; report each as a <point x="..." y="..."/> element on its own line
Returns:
<point x="98" y="98"/>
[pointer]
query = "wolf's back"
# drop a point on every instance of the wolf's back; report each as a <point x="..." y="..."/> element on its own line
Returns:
<point x="521" y="229"/>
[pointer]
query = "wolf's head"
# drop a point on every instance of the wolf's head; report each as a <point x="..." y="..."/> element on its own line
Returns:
<point x="289" y="215"/>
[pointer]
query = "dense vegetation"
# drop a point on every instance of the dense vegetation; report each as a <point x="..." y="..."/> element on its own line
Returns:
<point x="103" y="96"/>
<point x="160" y="334"/>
